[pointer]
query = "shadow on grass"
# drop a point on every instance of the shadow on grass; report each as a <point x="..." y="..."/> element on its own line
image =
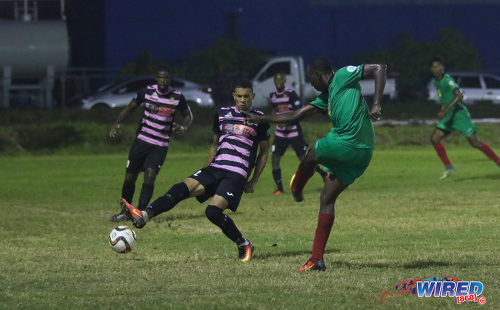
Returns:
<point x="290" y="253"/>
<point x="410" y="265"/>
<point x="178" y="217"/>
<point x="426" y="264"/>
<point x="495" y="176"/>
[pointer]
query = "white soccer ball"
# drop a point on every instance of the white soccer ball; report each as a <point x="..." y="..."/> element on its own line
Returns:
<point x="122" y="239"/>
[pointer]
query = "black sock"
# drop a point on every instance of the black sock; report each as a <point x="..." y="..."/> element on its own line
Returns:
<point x="128" y="190"/>
<point x="277" y="178"/>
<point x="146" y="194"/>
<point x="216" y="216"/>
<point x="178" y="192"/>
<point x="322" y="172"/>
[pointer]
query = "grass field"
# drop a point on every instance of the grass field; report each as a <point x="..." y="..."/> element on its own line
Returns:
<point x="397" y="222"/>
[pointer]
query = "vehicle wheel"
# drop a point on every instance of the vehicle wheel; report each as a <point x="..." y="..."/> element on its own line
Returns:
<point x="100" y="107"/>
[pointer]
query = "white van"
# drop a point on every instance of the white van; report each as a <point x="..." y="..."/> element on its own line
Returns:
<point x="474" y="86"/>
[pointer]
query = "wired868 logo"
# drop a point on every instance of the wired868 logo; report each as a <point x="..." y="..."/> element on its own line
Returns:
<point x="462" y="291"/>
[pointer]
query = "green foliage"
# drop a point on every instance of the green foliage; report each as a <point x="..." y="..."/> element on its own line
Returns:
<point x="397" y="222"/>
<point x="226" y="56"/>
<point x="411" y="58"/>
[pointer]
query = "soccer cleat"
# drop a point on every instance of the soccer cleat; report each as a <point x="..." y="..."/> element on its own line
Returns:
<point x="447" y="173"/>
<point x="118" y="217"/>
<point x="133" y="214"/>
<point x="277" y="192"/>
<point x="245" y="251"/>
<point x="309" y="266"/>
<point x="297" y="196"/>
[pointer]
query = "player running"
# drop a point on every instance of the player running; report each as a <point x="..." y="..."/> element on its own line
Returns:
<point x="346" y="150"/>
<point x="232" y="158"/>
<point x="285" y="99"/>
<point x="149" y="150"/>
<point x="453" y="116"/>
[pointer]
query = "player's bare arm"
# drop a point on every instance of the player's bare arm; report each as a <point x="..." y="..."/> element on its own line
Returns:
<point x="458" y="97"/>
<point x="123" y="114"/>
<point x="287" y="117"/>
<point x="259" y="166"/>
<point x="185" y="122"/>
<point x="379" y="73"/>
<point x="213" y="149"/>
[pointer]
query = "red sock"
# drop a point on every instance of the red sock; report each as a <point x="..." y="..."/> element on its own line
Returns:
<point x="486" y="149"/>
<point x="301" y="178"/>
<point x="442" y="153"/>
<point x="325" y="223"/>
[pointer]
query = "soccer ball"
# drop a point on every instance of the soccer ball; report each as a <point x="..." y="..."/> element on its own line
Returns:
<point x="122" y="239"/>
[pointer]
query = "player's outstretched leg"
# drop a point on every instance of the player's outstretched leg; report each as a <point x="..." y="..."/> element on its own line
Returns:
<point x="224" y="222"/>
<point x="304" y="172"/>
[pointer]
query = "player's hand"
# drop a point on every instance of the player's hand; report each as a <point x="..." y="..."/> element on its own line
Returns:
<point x="178" y="130"/>
<point x="249" y="187"/>
<point x="252" y="118"/>
<point x="113" y="130"/>
<point x="376" y="112"/>
<point x="441" y="114"/>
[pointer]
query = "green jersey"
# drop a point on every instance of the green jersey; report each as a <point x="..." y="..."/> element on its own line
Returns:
<point x="445" y="88"/>
<point x="347" y="109"/>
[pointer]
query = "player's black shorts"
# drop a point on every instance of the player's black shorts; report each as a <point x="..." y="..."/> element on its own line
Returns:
<point x="220" y="182"/>
<point x="298" y="143"/>
<point x="143" y="155"/>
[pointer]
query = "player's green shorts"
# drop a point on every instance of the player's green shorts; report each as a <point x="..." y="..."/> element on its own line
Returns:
<point x="342" y="160"/>
<point x="460" y="120"/>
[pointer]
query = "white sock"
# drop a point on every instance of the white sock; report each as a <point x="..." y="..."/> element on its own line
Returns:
<point x="145" y="216"/>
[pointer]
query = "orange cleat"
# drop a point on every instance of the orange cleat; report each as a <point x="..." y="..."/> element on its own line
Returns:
<point x="133" y="214"/>
<point x="309" y="266"/>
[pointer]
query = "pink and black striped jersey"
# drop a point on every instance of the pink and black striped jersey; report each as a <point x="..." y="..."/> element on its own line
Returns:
<point x="238" y="141"/>
<point x="159" y="111"/>
<point x="282" y="102"/>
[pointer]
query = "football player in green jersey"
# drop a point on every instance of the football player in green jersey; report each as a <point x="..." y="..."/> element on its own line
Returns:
<point x="453" y="116"/>
<point x="346" y="150"/>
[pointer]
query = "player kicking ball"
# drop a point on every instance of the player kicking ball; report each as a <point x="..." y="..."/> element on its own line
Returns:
<point x="346" y="150"/>
<point x="232" y="158"/>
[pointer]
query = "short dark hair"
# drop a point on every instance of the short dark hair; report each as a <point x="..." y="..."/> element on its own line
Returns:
<point x="243" y="83"/>
<point x="320" y="64"/>
<point x="437" y="59"/>
<point x="160" y="68"/>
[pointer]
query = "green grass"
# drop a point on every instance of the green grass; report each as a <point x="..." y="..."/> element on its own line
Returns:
<point x="397" y="222"/>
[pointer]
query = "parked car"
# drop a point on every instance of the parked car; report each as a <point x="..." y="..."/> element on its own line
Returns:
<point x="474" y="86"/>
<point x="118" y="94"/>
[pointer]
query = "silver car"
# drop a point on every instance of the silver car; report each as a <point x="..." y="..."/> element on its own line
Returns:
<point x="119" y="94"/>
<point x="474" y="86"/>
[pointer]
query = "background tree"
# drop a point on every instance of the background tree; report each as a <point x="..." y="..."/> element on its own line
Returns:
<point x="144" y="64"/>
<point x="411" y="59"/>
